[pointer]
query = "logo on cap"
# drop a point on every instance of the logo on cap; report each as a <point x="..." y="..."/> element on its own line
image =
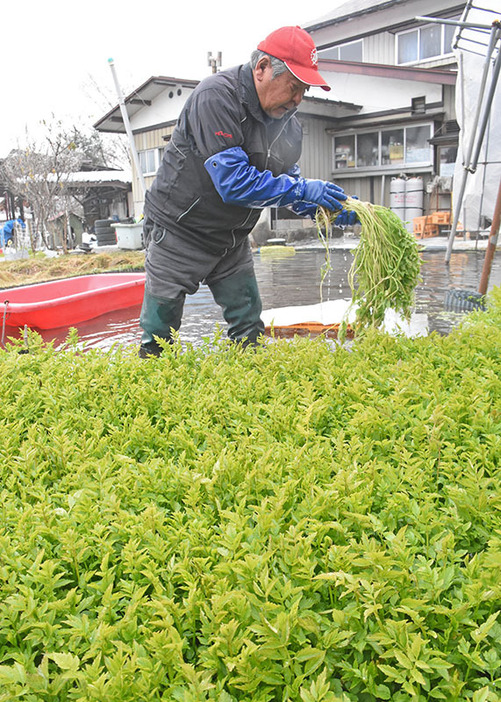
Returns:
<point x="314" y="57"/>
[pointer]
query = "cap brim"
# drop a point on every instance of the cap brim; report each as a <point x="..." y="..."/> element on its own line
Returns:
<point x="310" y="76"/>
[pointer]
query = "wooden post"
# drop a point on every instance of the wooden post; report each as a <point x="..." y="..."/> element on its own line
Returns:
<point x="491" y="245"/>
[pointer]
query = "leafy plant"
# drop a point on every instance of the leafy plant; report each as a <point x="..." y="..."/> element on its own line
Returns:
<point x="297" y="522"/>
<point x="386" y="264"/>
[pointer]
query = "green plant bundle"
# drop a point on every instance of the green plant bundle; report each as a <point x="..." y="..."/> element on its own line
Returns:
<point x="386" y="264"/>
<point x="298" y="522"/>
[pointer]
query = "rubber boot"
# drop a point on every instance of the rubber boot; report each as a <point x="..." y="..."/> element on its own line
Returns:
<point x="159" y="316"/>
<point x="238" y="296"/>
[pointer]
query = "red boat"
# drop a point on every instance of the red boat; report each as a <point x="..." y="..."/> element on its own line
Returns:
<point x="62" y="303"/>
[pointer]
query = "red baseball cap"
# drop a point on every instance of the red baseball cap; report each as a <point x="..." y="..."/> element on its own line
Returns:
<point x="295" y="47"/>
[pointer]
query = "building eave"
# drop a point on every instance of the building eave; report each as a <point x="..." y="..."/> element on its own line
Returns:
<point x="423" y="75"/>
<point x="141" y="97"/>
<point x="322" y="107"/>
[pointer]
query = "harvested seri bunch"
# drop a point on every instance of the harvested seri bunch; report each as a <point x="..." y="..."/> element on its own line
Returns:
<point x="386" y="266"/>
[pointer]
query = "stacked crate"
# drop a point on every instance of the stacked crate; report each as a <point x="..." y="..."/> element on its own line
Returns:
<point x="441" y="218"/>
<point x="424" y="227"/>
<point x="430" y="224"/>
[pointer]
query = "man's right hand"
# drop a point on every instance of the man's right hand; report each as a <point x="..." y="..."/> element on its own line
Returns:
<point x="323" y="193"/>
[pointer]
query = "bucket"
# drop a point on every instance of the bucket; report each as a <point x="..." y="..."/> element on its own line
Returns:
<point x="129" y="236"/>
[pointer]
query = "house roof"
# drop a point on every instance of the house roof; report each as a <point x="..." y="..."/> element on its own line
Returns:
<point x="139" y="98"/>
<point x="357" y="8"/>
<point x="323" y="107"/>
<point x="96" y="179"/>
<point x="350" y="9"/>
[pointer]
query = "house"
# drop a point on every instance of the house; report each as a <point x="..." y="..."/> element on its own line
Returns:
<point x="402" y="71"/>
<point x="387" y="132"/>
<point x="89" y="195"/>
<point x="102" y="194"/>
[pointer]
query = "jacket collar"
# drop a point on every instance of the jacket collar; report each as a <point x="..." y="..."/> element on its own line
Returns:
<point x="249" y="94"/>
<point x="250" y="98"/>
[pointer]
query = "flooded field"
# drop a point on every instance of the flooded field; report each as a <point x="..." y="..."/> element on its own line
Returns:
<point x="295" y="280"/>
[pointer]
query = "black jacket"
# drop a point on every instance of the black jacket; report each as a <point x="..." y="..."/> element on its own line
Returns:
<point x="221" y="113"/>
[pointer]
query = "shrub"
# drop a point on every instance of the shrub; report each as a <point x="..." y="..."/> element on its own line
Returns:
<point x="299" y="522"/>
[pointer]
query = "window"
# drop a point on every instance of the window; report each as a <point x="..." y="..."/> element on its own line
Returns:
<point x="429" y="41"/>
<point x="149" y="161"/>
<point x="417" y="148"/>
<point x="353" y="51"/>
<point x="368" y="149"/>
<point x="392" y="147"/>
<point x="404" y="146"/>
<point x="418" y="105"/>
<point x="344" y="152"/>
<point x="447" y="160"/>
<point x="408" y="47"/>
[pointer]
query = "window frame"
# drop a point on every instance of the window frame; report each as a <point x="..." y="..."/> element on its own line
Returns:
<point x="157" y="158"/>
<point x="380" y="167"/>
<point x="442" y="54"/>
<point x="340" y="46"/>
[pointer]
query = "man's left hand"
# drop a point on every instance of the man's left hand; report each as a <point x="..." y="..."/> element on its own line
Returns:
<point x="346" y="219"/>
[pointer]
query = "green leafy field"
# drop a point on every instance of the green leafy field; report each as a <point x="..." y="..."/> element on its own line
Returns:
<point x="295" y="523"/>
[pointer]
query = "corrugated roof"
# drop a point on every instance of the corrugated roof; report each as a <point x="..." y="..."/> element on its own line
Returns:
<point x="96" y="177"/>
<point x="351" y="9"/>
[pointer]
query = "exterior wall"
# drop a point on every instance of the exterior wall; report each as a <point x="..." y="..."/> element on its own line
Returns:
<point x="380" y="97"/>
<point x="316" y="157"/>
<point x="449" y="101"/>
<point x="164" y="108"/>
<point x="378" y="94"/>
<point x="380" y="48"/>
<point x="153" y="139"/>
<point x="369" y="24"/>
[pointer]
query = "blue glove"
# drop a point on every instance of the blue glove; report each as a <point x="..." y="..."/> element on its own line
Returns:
<point x="305" y="209"/>
<point x="324" y="193"/>
<point x="346" y="219"/>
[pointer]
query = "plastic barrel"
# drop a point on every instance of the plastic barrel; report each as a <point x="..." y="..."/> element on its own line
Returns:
<point x="397" y="197"/>
<point x="414" y="196"/>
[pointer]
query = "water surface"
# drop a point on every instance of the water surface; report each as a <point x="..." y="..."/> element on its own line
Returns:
<point x="294" y="280"/>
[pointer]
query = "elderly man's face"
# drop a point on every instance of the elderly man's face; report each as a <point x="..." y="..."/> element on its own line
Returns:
<point x="279" y="95"/>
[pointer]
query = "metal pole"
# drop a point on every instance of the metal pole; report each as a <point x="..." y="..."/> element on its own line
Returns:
<point x="470" y="164"/>
<point x="455" y="23"/>
<point x="491" y="245"/>
<point x="128" y="129"/>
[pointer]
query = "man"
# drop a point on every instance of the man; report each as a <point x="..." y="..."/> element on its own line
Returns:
<point x="234" y="151"/>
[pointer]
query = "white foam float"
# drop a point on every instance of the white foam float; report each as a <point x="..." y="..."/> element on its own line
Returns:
<point x="331" y="313"/>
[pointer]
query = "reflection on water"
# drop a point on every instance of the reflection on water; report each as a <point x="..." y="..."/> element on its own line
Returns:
<point x="293" y="280"/>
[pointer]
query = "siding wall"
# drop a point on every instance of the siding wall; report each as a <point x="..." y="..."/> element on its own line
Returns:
<point x="143" y="141"/>
<point x="380" y="48"/>
<point x="316" y="157"/>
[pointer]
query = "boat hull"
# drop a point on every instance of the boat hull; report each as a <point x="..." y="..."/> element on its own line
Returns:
<point x="63" y="303"/>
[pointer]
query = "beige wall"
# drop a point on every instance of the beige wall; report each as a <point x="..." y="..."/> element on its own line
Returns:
<point x="153" y="139"/>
